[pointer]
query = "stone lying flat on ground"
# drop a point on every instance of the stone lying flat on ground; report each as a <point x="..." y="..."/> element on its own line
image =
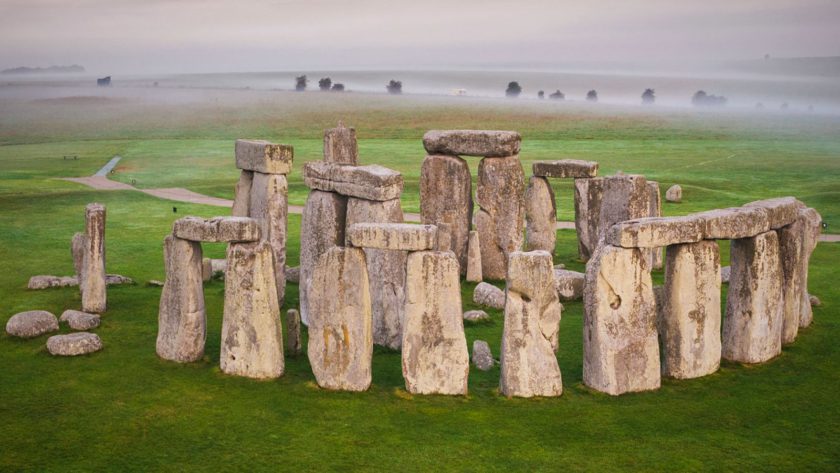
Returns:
<point x="73" y="344"/>
<point x="655" y="232"/>
<point x="340" y="145"/>
<point x="78" y="320"/>
<point x="43" y="281"/>
<point x="31" y="324"/>
<point x="392" y="236"/>
<point x="262" y="156"/>
<point x="372" y="182"/>
<point x="569" y="284"/>
<point x="446" y="197"/>
<point x="293" y="274"/>
<point x="540" y="216"/>
<point x="217" y="229"/>
<point x="293" y="343"/>
<point x="475" y="315"/>
<point x="482" y="357"/>
<point x="474" y="273"/>
<point x="116" y="280"/>
<point x="485" y="143"/>
<point x="565" y="168"/>
<point x="92" y="283"/>
<point x="489" y="295"/>
<point x="781" y="211"/>
<point x="674" y="194"/>
<point x="733" y="223"/>
<point x="182" y="322"/>
<point x="500" y="220"/>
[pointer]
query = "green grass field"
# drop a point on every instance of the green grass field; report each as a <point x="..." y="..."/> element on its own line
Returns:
<point x="123" y="409"/>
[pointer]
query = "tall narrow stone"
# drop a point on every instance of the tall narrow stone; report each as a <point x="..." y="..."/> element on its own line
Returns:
<point x="270" y="207"/>
<point x="340" y="337"/>
<point x="446" y="197"/>
<point x="588" y="194"/>
<point x="812" y="228"/>
<point x="321" y="228"/>
<point x="293" y="343"/>
<point x="340" y="145"/>
<point x="435" y="359"/>
<point x="791" y="247"/>
<point x="540" y="216"/>
<point x="501" y="219"/>
<point x="620" y="346"/>
<point x="752" y="329"/>
<point x="689" y="319"/>
<point x="655" y="210"/>
<point x="474" y="258"/>
<point x="242" y="195"/>
<point x="77" y="249"/>
<point x="532" y="321"/>
<point x="252" y="337"/>
<point x="182" y="323"/>
<point x="92" y="285"/>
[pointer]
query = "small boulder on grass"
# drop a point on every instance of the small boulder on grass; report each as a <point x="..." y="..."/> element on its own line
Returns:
<point x="814" y="300"/>
<point x="78" y="320"/>
<point x="674" y="193"/>
<point x="489" y="295"/>
<point x="482" y="357"/>
<point x="475" y="315"/>
<point x="31" y="324"/>
<point x="73" y="344"/>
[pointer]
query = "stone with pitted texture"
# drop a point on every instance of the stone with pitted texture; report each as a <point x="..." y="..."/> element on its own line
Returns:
<point x="293" y="343"/>
<point x="269" y="206"/>
<point x="242" y="195"/>
<point x="813" y="226"/>
<point x="482" y="357"/>
<point x="77" y="249"/>
<point x="74" y="344"/>
<point x="569" y="284"/>
<point x="322" y="227"/>
<point x="489" y="295"/>
<point x="474" y="258"/>
<point x="372" y="182"/>
<point x="92" y="283"/>
<point x="733" y="223"/>
<point x="45" y="281"/>
<point x="485" y="143"/>
<point x="446" y="197"/>
<point x="540" y="216"/>
<point x="182" y="323"/>
<point x="725" y="272"/>
<point x="340" y="145"/>
<point x="655" y="200"/>
<point x="262" y="156"/>
<point x="791" y="246"/>
<point x="217" y="229"/>
<point x="293" y="274"/>
<point x="674" y="194"/>
<point x="565" y="168"/>
<point x="78" y="320"/>
<point x="31" y="324"/>
<point x="500" y="221"/>
<point x="475" y="315"/>
<point x="781" y="211"/>
<point x="392" y="236"/>
<point x="655" y="232"/>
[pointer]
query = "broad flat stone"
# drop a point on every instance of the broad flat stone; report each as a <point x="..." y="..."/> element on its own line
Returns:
<point x="446" y="197"/>
<point x="812" y="227"/>
<point x="392" y="236"/>
<point x="569" y="284"/>
<point x="242" y="195"/>
<point x="482" y="357"/>
<point x="45" y="281"/>
<point x="780" y="211"/>
<point x="655" y="232"/>
<point x="31" y="324"/>
<point x="689" y="319"/>
<point x="435" y="359"/>
<point x="565" y="168"/>
<point x="74" y="344"/>
<point x="78" y="320"/>
<point x="674" y="194"/>
<point x="500" y="221"/>
<point x="217" y="229"/>
<point x="252" y="337"/>
<point x="486" y="143"/>
<point x="322" y="227"/>
<point x="540" y="216"/>
<point x="182" y="323"/>
<point x="371" y="182"/>
<point x="340" y="145"/>
<point x="791" y="246"/>
<point x="474" y="273"/>
<point x="340" y="323"/>
<point x="293" y="340"/>
<point x="92" y="285"/>
<point x="270" y="208"/>
<point x="532" y="322"/>
<point x="489" y="295"/>
<point x="733" y="223"/>
<point x="620" y="343"/>
<point x="475" y="315"/>
<point x="262" y="156"/>
<point x="752" y="329"/>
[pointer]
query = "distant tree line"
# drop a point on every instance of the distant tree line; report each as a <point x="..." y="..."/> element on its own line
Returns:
<point x="702" y="99"/>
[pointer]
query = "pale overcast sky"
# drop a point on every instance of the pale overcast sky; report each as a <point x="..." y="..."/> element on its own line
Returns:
<point x="262" y="35"/>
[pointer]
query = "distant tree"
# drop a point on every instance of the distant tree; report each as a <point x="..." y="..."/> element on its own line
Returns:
<point x="784" y="106"/>
<point x="338" y="87"/>
<point x="394" y="87"/>
<point x="300" y="83"/>
<point x="592" y="96"/>
<point x="513" y="89"/>
<point x="325" y="84"/>
<point x="557" y="95"/>
<point x="541" y="94"/>
<point x="702" y="99"/>
<point x="648" y="97"/>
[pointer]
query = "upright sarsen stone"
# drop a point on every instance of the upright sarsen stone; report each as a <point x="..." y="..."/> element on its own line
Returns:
<point x="501" y="219"/>
<point x="655" y="210"/>
<point x="242" y="195"/>
<point x="812" y="228"/>
<point x="321" y="228"/>
<point x="540" y="216"/>
<point x="270" y="207"/>
<point x="791" y="247"/>
<point x="340" y="145"/>
<point x="474" y="273"/>
<point x="182" y="323"/>
<point x="588" y="195"/>
<point x="77" y="248"/>
<point x="93" y="285"/>
<point x="446" y="197"/>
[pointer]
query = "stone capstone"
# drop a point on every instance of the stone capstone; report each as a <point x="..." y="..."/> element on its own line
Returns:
<point x="262" y="156"/>
<point x="565" y="168"/>
<point x="269" y="206"/>
<point x="474" y="273"/>
<point x="655" y="232"/>
<point x="485" y="143"/>
<point x="217" y="229"/>
<point x="372" y="182"/>
<point x="392" y="236"/>
<point x="92" y="284"/>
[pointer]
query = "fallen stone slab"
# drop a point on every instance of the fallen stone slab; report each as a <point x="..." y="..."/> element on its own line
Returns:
<point x="262" y="156"/>
<point x="74" y="344"/>
<point x="371" y="182"/>
<point x="340" y="145"/>
<point x="674" y="194"/>
<point x="565" y="168"/>
<point x="655" y="232"/>
<point x="569" y="284"/>
<point x="733" y="223"/>
<point x="392" y="236"/>
<point x="489" y="295"/>
<point x="482" y="357"/>
<point x="217" y="229"/>
<point x="78" y="320"/>
<point x="31" y="324"/>
<point x="475" y="315"/>
<point x="446" y="197"/>
<point x="485" y="143"/>
<point x="781" y="211"/>
<point x="44" y="281"/>
<point x="116" y="280"/>
<point x="540" y="216"/>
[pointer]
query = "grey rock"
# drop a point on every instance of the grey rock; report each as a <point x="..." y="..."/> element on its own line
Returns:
<point x="655" y="232"/>
<point x="206" y="270"/>
<point x="242" y="195"/>
<point x="31" y="324"/>
<point x="475" y="315"/>
<point x="725" y="273"/>
<point x="569" y="284"/>
<point x="489" y="295"/>
<point x="372" y="182"/>
<point x="74" y="344"/>
<point x="656" y="260"/>
<point x="43" y="281"/>
<point x="262" y="156"/>
<point x="92" y="284"/>
<point x="270" y="208"/>
<point x="443" y="242"/>
<point x="813" y="227"/>
<point x="77" y="249"/>
<point x="540" y="216"/>
<point x="293" y="274"/>
<point x="482" y="357"/>
<point x="340" y="145"/>
<point x="814" y="300"/>
<point x="485" y="143"/>
<point x="217" y="229"/>
<point x="791" y="246"/>
<point x="674" y="194"/>
<point x="446" y="197"/>
<point x="501" y="219"/>
<point x="565" y="168"/>
<point x="182" y="323"/>
<point x="78" y="320"/>
<point x="392" y="236"/>
<point x="322" y="227"/>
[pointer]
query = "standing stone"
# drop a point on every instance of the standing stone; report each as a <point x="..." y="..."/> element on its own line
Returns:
<point x="206" y="269"/>
<point x="78" y="245"/>
<point x="270" y="207"/>
<point x="242" y="195"/>
<point x="500" y="220"/>
<point x="482" y="357"/>
<point x="474" y="258"/>
<point x="813" y="226"/>
<point x="252" y="337"/>
<point x="655" y="210"/>
<point x="532" y="322"/>
<point x="340" y="337"/>
<point x="446" y="197"/>
<point x="92" y="285"/>
<point x="293" y="344"/>
<point x="321" y="228"/>
<point x="182" y="323"/>
<point x="588" y="195"/>
<point x="540" y="216"/>
<point x="752" y="329"/>
<point x="620" y="346"/>
<point x="386" y="270"/>
<point x="674" y="193"/>
<point x="791" y="245"/>
<point x="340" y="145"/>
<point x="689" y="319"/>
<point x="435" y="359"/>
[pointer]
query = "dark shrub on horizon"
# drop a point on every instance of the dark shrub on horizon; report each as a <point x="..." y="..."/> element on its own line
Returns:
<point x="702" y="99"/>
<point x="648" y="97"/>
<point x="592" y="96"/>
<point x="338" y="87"/>
<point x="513" y="89"/>
<point x="541" y="94"/>
<point x="557" y="95"/>
<point x="300" y="83"/>
<point x="325" y="84"/>
<point x="394" y="87"/>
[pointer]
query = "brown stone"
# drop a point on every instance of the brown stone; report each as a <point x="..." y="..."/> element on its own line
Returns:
<point x="486" y="143"/>
<point x="446" y="197"/>
<point x="501" y="219"/>
<point x="655" y="232"/>
<point x="262" y="156"/>
<point x="674" y="194"/>
<point x="340" y="145"/>
<point x="372" y="182"/>
<point x="322" y="227"/>
<point x="182" y="323"/>
<point x="812" y="228"/>
<point x="569" y="284"/>
<point x="565" y="168"/>
<point x="540" y="216"/>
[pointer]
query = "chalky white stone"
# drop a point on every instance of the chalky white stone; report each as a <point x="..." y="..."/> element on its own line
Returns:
<point x="392" y="236"/>
<point x="489" y="295"/>
<point x="182" y="323"/>
<point x="78" y="320"/>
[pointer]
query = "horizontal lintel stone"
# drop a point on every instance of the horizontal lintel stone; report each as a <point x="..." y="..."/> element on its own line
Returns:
<point x="484" y="143"/>
<point x="217" y="229"/>
<point x="655" y="232"/>
<point x="393" y="236"/>
<point x="262" y="156"/>
<point x="371" y="182"/>
<point x="565" y="168"/>
<point x="781" y="211"/>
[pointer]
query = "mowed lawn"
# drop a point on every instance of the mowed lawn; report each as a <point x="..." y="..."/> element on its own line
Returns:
<point x="124" y="409"/>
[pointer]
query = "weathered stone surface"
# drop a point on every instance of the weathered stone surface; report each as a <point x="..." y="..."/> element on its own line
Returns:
<point x="474" y="273"/>
<point x="532" y="322"/>
<point x="252" y="337"/>
<point x="155" y="283"/>
<point x="814" y="300"/>
<point x="781" y="211"/>
<point x="340" y="145"/>
<point x="725" y="272"/>
<point x="77" y="249"/>
<point x="92" y="285"/>
<point x="182" y="323"/>
<point x="340" y="324"/>
<point x="621" y="350"/>
<point x="588" y="196"/>
<point x="569" y="284"/>
<point x="262" y="156"/>
<point x="116" y="279"/>
<point x="475" y="315"/>
<point x="486" y="143"/>
<point x="206" y="269"/>
<point x="270" y="208"/>
<point x="689" y="319"/>
<point x="443" y="242"/>
<point x="489" y="295"/>
<point x="674" y="193"/>
<point x="482" y="357"/>
<point x="655" y="232"/>
<point x="322" y="227"/>
<point x="31" y="324"/>
<point x="791" y="246"/>
<point x="372" y="182"/>
<point x="500" y="221"/>
<point x="242" y="195"/>
<point x="44" y="281"/>
<point x="218" y="265"/>
<point x="565" y="168"/>
<point x="733" y="223"/>
<point x="752" y="328"/>
<point x="74" y="344"/>
<point x="217" y="229"/>
<point x="392" y="236"/>
<point x="435" y="359"/>
<point x="446" y="197"/>
<point x="813" y="227"/>
<point x="293" y="340"/>
<point x="386" y="269"/>
<point x="78" y="320"/>
<point x="540" y="216"/>
<point x="655" y="201"/>
<point x="293" y="274"/>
